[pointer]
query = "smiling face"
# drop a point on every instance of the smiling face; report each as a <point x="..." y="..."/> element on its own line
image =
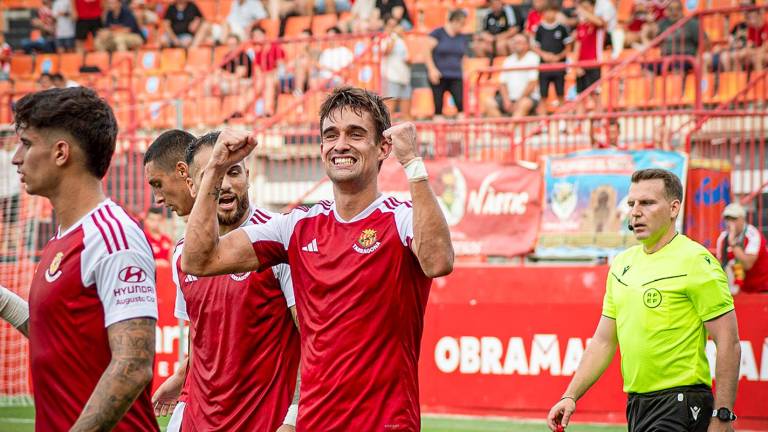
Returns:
<point x="169" y="187"/>
<point x="652" y="212"/>
<point x="350" y="149"/>
<point x="233" y="200"/>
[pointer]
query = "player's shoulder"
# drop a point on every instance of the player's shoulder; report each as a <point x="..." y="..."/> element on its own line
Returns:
<point x="260" y="216"/>
<point x="752" y="233"/>
<point x="109" y="229"/>
<point x="392" y="204"/>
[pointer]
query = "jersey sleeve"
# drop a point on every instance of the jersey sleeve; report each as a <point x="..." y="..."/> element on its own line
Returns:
<point x="180" y="305"/>
<point x="125" y="282"/>
<point x="609" y="308"/>
<point x="283" y="275"/>
<point x="270" y="240"/>
<point x="754" y="241"/>
<point x="404" y="222"/>
<point x="708" y="287"/>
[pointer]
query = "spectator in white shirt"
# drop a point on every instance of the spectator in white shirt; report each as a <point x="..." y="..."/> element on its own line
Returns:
<point x="396" y="71"/>
<point x="518" y="92"/>
<point x="65" y="25"/>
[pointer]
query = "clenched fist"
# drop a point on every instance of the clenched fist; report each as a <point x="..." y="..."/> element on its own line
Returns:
<point x="403" y="140"/>
<point x="231" y="147"/>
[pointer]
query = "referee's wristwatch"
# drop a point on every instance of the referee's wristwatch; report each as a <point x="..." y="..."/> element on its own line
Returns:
<point x="724" y="414"/>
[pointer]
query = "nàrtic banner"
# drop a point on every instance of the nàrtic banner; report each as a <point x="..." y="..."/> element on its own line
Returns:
<point x="585" y="206"/>
<point x="491" y="208"/>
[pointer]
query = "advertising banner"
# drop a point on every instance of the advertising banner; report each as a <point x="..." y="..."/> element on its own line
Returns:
<point x="585" y="205"/>
<point x="491" y="208"/>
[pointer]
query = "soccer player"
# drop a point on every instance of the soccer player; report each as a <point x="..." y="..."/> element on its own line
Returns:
<point x="662" y="299"/>
<point x="362" y="265"/>
<point x="241" y="373"/>
<point x="166" y="172"/>
<point x="92" y="305"/>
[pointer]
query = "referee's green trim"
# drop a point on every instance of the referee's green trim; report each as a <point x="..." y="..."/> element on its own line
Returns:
<point x="665" y="278"/>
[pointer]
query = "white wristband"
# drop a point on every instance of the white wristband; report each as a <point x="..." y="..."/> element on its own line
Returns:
<point x="290" y="416"/>
<point x="13" y="308"/>
<point x="415" y="170"/>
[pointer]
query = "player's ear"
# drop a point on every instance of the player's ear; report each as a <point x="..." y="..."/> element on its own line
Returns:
<point x="191" y="186"/>
<point x="182" y="170"/>
<point x="61" y="152"/>
<point x="385" y="148"/>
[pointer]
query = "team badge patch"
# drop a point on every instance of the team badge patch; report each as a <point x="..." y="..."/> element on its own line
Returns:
<point x="53" y="271"/>
<point x="367" y="242"/>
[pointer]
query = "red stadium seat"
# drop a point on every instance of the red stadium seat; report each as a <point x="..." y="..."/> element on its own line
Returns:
<point x="297" y="24"/>
<point x="70" y="64"/>
<point x="271" y="28"/>
<point x="433" y="15"/>
<point x="22" y="66"/>
<point x="173" y="59"/>
<point x="422" y="105"/>
<point x="321" y="23"/>
<point x="148" y="61"/>
<point x="48" y="63"/>
<point x="199" y="59"/>
<point x="97" y="59"/>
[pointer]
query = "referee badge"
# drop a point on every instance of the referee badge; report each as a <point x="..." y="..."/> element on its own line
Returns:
<point x="652" y="298"/>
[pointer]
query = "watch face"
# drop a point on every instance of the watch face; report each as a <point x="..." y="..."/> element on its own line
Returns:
<point x="724" y="414"/>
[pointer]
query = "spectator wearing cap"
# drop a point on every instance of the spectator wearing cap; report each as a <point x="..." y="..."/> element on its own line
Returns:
<point x="447" y="46"/>
<point x="743" y="252"/>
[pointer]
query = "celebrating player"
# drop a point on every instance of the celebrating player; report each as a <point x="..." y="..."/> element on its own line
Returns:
<point x="92" y="305"/>
<point x="662" y="298"/>
<point x="361" y="265"/>
<point x="166" y="172"/>
<point x="241" y="373"/>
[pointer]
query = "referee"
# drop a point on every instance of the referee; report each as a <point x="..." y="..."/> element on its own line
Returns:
<point x="662" y="299"/>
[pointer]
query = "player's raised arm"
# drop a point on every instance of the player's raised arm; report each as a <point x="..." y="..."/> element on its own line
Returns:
<point x="14" y="310"/>
<point x="431" y="237"/>
<point x="204" y="252"/>
<point x="132" y="343"/>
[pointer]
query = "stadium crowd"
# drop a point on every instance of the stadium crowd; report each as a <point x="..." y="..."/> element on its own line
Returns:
<point x="547" y="44"/>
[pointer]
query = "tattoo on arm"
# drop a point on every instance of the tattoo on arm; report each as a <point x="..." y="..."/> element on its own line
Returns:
<point x="129" y="372"/>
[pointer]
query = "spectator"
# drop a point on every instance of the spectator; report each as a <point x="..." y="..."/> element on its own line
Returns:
<point x="328" y="6"/>
<point x="154" y="228"/>
<point x="396" y="71"/>
<point x="269" y="58"/>
<point x="588" y="47"/>
<point x="518" y="92"/>
<point x="607" y="138"/>
<point x="447" y="46"/>
<point x="65" y="25"/>
<point x="501" y="23"/>
<point x="683" y="41"/>
<point x="295" y="76"/>
<point x="243" y="15"/>
<point x="606" y="10"/>
<point x="396" y="9"/>
<point x="551" y="41"/>
<point x="121" y="31"/>
<point x="756" y="50"/>
<point x="44" y="81"/>
<point x="45" y="24"/>
<point x="234" y="75"/>
<point x="5" y="58"/>
<point x="743" y="252"/>
<point x="59" y="81"/>
<point x="534" y="16"/>
<point x="362" y="19"/>
<point x="333" y="59"/>
<point x="639" y="19"/>
<point x="182" y="23"/>
<point x="145" y="16"/>
<point x="87" y="21"/>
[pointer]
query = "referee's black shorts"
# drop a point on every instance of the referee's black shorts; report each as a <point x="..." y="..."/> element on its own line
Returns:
<point x="679" y="409"/>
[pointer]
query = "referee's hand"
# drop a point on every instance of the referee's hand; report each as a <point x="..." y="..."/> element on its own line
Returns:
<point x="560" y="414"/>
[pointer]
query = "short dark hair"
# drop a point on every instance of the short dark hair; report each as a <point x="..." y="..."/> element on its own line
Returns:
<point x="169" y="148"/>
<point x="553" y="5"/>
<point x="592" y="2"/>
<point x="358" y="100"/>
<point x="672" y="185"/>
<point x="457" y="14"/>
<point x="207" y="140"/>
<point x="78" y="111"/>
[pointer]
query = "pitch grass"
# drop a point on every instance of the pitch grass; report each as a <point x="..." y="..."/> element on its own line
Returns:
<point x="21" y="419"/>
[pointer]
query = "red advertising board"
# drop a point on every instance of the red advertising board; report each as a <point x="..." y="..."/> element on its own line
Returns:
<point x="491" y="208"/>
<point x="506" y="341"/>
<point x="167" y="332"/>
<point x="708" y="192"/>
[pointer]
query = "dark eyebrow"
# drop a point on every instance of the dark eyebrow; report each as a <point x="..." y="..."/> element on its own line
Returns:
<point x="329" y="128"/>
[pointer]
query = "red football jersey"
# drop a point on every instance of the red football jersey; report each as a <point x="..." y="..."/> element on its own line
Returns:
<point x="532" y="22"/>
<point x="360" y="296"/>
<point x="756" y="278"/>
<point x="757" y="36"/>
<point x="245" y="347"/>
<point x="590" y="39"/>
<point x="100" y="271"/>
<point x="88" y="9"/>
<point x="161" y="246"/>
